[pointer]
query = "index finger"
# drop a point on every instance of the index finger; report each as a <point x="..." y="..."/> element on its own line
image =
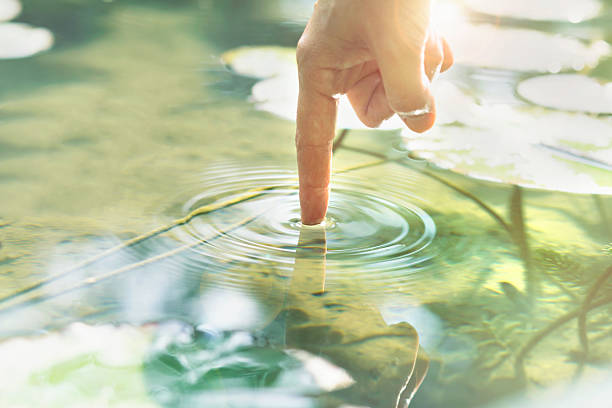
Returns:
<point x="316" y="124"/>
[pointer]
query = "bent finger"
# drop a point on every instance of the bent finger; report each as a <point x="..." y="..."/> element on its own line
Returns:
<point x="434" y="55"/>
<point x="449" y="59"/>
<point x="401" y="63"/>
<point x="407" y="88"/>
<point x="369" y="100"/>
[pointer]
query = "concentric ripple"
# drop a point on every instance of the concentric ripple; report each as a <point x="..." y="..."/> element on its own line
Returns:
<point x="372" y="225"/>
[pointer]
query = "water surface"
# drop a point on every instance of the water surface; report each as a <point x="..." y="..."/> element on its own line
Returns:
<point x="151" y="253"/>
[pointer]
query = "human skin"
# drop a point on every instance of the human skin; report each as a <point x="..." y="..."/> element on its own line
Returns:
<point x="383" y="55"/>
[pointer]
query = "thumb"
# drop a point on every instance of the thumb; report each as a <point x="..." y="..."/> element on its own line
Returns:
<point x="400" y="60"/>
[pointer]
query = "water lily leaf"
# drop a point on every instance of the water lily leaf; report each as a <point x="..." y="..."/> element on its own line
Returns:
<point x="261" y="62"/>
<point x="204" y="367"/>
<point x="19" y="40"/>
<point x="543" y="10"/>
<point x="9" y="9"/>
<point x="571" y="92"/>
<point x="277" y="92"/>
<point x="80" y="366"/>
<point x="534" y="148"/>
<point x="519" y="49"/>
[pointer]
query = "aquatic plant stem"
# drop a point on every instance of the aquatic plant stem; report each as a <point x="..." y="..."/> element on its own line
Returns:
<point x="104" y="277"/>
<point x="551" y="327"/>
<point x="439" y="179"/>
<point x="339" y="139"/>
<point x="516" y="229"/>
<point x="207" y="209"/>
<point x="472" y="197"/>
<point x="519" y="235"/>
<point x="582" y="331"/>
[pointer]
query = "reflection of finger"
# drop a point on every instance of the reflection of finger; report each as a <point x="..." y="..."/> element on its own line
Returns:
<point x="449" y="59"/>
<point x="369" y="100"/>
<point x="434" y="55"/>
<point x="309" y="268"/>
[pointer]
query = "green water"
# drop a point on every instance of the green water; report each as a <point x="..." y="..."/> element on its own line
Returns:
<point x="131" y="121"/>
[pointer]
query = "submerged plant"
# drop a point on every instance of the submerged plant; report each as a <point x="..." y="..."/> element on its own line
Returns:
<point x="560" y="267"/>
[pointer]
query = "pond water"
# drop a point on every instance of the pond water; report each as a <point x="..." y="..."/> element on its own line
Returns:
<point x="151" y="253"/>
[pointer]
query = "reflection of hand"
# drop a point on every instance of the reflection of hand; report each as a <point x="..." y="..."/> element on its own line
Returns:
<point x="385" y="361"/>
<point x="378" y="52"/>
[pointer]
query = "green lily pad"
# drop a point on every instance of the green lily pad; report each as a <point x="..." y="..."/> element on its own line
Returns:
<point x="18" y="40"/>
<point x="543" y="10"/>
<point x="277" y="92"/>
<point x="516" y="49"/>
<point x="529" y="147"/>
<point x="519" y="49"/>
<point x="571" y="92"/>
<point x="9" y="9"/>
<point x="261" y="62"/>
<point x="208" y="368"/>
<point x="80" y="366"/>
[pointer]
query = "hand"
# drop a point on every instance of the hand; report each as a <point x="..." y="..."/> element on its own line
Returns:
<point x="383" y="55"/>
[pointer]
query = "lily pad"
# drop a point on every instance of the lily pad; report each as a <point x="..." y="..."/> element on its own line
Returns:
<point x="9" y="9"/>
<point x="18" y="40"/>
<point x="261" y="62"/>
<point x="543" y="10"/>
<point x="80" y="366"/>
<point x="524" y="50"/>
<point x="529" y="147"/>
<point x="571" y="92"/>
<point x="277" y="92"/>
<point x="198" y="367"/>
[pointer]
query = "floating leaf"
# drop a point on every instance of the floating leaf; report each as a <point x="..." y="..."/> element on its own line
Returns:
<point x="19" y="40"/>
<point x="261" y="62"/>
<point x="81" y="366"/>
<point x="571" y="92"/>
<point x="9" y="9"/>
<point x="549" y="150"/>
<point x="277" y="93"/>
<point x="547" y="10"/>
<point x="519" y="49"/>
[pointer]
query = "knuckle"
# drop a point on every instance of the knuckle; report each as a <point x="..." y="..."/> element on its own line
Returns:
<point x="372" y="123"/>
<point x="303" y="51"/>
